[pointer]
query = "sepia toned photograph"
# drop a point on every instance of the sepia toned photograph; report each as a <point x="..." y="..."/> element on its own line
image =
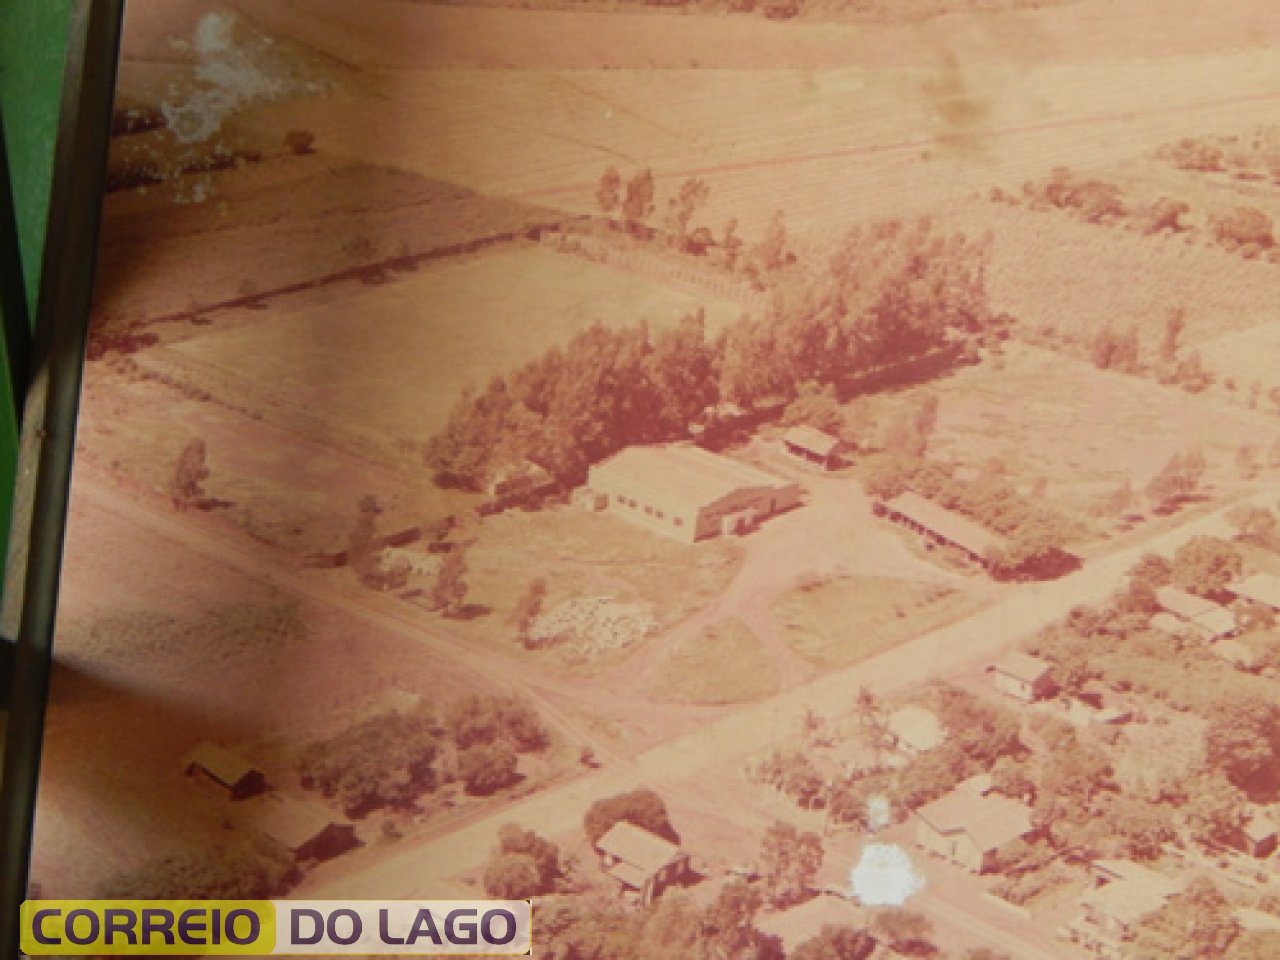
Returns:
<point x="762" y="479"/>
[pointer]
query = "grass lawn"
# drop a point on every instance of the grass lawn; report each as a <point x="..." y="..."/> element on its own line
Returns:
<point x="726" y="663"/>
<point x="839" y="622"/>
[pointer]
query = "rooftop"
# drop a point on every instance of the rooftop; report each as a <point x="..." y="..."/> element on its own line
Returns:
<point x="1022" y="666"/>
<point x="680" y="473"/>
<point x="951" y="526"/>
<point x="1132" y="898"/>
<point x="990" y="821"/>
<point x="634" y="845"/>
<point x="294" y="822"/>
<point x="814" y="441"/>
<point x="1211" y="617"/>
<point x="224" y="765"/>
<point x="1261" y="588"/>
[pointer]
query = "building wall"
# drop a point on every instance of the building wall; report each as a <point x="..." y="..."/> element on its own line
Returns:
<point x="689" y="522"/>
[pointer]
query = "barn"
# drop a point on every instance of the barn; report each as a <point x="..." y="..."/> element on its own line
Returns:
<point x="813" y="446"/>
<point x="229" y="771"/>
<point x="683" y="491"/>
<point x="940" y="526"/>
<point x="1022" y="676"/>
<point x="306" y="829"/>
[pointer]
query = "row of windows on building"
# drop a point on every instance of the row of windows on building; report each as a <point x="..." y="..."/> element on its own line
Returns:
<point x="658" y="514"/>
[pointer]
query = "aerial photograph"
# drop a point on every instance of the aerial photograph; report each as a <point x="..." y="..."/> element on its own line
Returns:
<point x="761" y="479"/>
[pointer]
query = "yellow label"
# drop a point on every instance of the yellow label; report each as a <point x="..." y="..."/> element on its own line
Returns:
<point x="141" y="928"/>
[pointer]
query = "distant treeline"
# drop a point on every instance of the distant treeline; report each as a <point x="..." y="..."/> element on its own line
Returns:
<point x="891" y="291"/>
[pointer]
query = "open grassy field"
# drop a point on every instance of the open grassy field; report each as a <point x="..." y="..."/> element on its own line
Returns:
<point x="278" y="485"/>
<point x="726" y="663"/>
<point x="160" y="646"/>
<point x="583" y="554"/>
<point x="841" y="621"/>
<point x="389" y="361"/>
<point x="1039" y="414"/>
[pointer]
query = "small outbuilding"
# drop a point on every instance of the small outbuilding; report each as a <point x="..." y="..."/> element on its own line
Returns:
<point x="813" y="446"/>
<point x="1207" y="619"/>
<point x="229" y="771"/>
<point x="1261" y="588"/>
<point x="1022" y="676"/>
<point x="306" y="829"/>
<point x="643" y="863"/>
<point x="940" y="526"/>
<point x="1258" y="836"/>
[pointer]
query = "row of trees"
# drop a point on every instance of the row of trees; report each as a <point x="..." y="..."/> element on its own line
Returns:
<point x="891" y="292"/>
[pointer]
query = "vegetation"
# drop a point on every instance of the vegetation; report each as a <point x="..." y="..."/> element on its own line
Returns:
<point x="487" y="767"/>
<point x="641" y="807"/>
<point x="186" y="487"/>
<point x="836" y="943"/>
<point x="224" y="873"/>
<point x="789" y="862"/>
<point x="1205" y="565"/>
<point x="890" y="292"/>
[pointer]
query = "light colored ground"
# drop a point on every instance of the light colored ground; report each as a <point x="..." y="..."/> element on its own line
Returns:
<point x="839" y="622"/>
<point x="1084" y="430"/>
<point x="726" y="663"/>
<point x="391" y="360"/>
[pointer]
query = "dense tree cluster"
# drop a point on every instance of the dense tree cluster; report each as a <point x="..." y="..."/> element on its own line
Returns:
<point x="789" y="862"/>
<point x="1205" y="565"/>
<point x="522" y="865"/>
<point x="239" y="872"/>
<point x="670" y="927"/>
<point x="388" y="760"/>
<point x="641" y="807"/>
<point x="394" y="758"/>
<point x="891" y="292"/>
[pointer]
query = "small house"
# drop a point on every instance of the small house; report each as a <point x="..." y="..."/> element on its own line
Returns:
<point x="229" y="771"/>
<point x="941" y="527"/>
<point x="813" y="446"/>
<point x="1258" y="836"/>
<point x="1112" y="912"/>
<point x="1022" y="676"/>
<point x="969" y="826"/>
<point x="1261" y="588"/>
<point x="643" y="863"/>
<point x="1207" y="619"/>
<point x="306" y="829"/>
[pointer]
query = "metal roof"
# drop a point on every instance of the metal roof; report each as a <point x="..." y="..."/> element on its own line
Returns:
<point x="638" y="847"/>
<point x="680" y="475"/>
<point x="947" y="524"/>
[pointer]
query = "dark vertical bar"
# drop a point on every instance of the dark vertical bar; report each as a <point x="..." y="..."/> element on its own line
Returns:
<point x="49" y="420"/>
<point x="13" y="296"/>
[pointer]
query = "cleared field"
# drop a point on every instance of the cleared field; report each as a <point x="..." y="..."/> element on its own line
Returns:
<point x="1041" y="415"/>
<point x="159" y="647"/>
<point x="589" y="555"/>
<point x="1050" y="269"/>
<point x="389" y="361"/>
<point x="280" y="486"/>
<point x="838" y="622"/>
<point x="285" y="221"/>
<point x="726" y="663"/>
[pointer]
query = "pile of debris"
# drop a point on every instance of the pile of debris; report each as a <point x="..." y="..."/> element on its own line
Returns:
<point x="590" y="626"/>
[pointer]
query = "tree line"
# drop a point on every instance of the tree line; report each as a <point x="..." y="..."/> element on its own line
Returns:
<point x="891" y="291"/>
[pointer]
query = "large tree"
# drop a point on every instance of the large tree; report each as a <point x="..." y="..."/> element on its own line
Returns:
<point x="1205" y="565"/>
<point x="637" y="205"/>
<point x="789" y="862"/>
<point x="186" y="486"/>
<point x="641" y="807"/>
<point x="1243" y="743"/>
<point x="836" y="943"/>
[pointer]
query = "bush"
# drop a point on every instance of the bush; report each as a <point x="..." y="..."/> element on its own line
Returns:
<point x="487" y="768"/>
<point x="1241" y="227"/>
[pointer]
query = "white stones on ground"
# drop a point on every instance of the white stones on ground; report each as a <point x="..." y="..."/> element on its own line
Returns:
<point x="593" y="625"/>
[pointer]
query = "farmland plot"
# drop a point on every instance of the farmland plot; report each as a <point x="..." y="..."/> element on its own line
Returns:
<point x="389" y="361"/>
